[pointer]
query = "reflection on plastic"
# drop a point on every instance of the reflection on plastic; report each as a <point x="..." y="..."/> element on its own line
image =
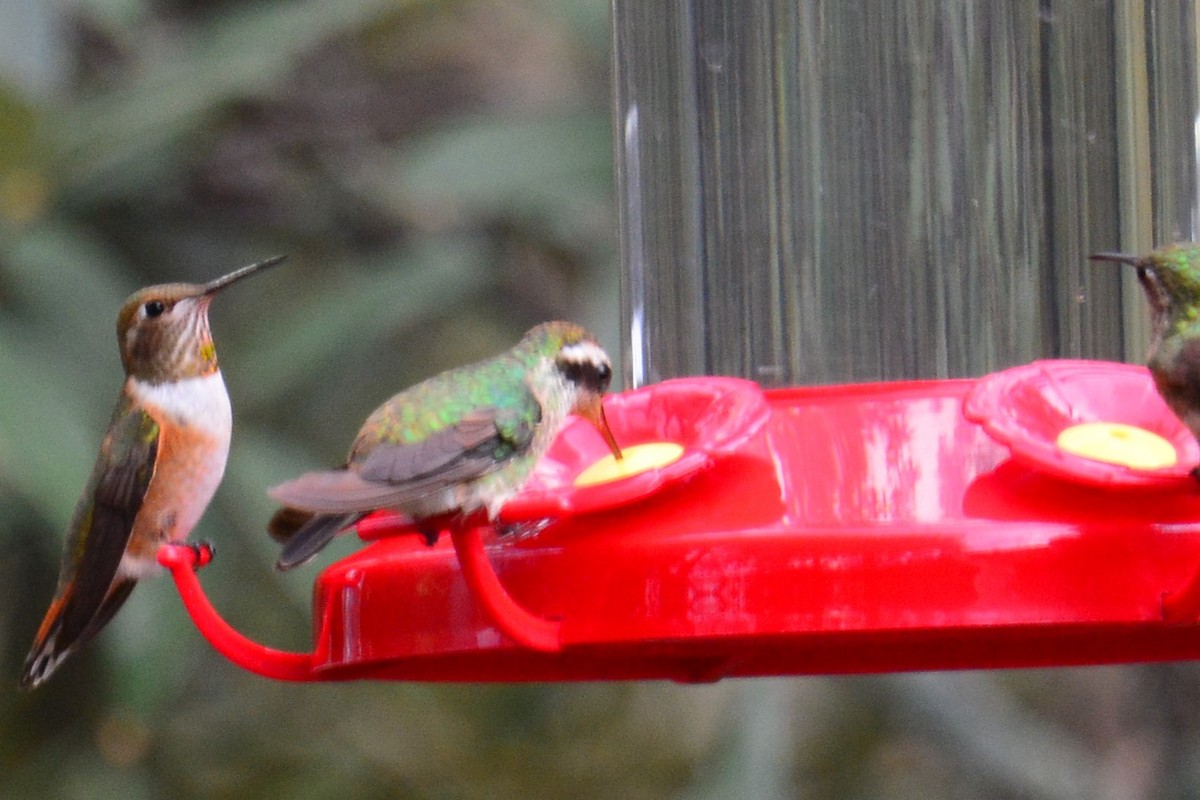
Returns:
<point x="862" y="528"/>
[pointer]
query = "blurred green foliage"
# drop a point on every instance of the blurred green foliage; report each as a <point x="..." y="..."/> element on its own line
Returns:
<point x="441" y="174"/>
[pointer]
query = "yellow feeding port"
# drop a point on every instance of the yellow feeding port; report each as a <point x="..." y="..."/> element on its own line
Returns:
<point x="1117" y="443"/>
<point x="638" y="458"/>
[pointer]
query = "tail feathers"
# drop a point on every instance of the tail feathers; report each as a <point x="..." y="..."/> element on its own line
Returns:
<point x="337" y="492"/>
<point x="314" y="532"/>
<point x="286" y="521"/>
<point x="65" y="629"/>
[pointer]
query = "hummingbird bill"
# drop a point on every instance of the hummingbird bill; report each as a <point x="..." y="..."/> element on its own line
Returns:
<point x="159" y="465"/>
<point x="1170" y="279"/>
<point x="463" y="441"/>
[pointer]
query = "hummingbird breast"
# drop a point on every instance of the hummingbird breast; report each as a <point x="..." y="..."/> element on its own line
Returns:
<point x="195" y="420"/>
<point x="555" y="396"/>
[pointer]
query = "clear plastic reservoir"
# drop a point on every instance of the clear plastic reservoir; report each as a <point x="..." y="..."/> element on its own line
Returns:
<point x="817" y="192"/>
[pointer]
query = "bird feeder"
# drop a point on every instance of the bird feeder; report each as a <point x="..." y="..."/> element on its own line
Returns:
<point x="866" y="528"/>
<point x="828" y="194"/>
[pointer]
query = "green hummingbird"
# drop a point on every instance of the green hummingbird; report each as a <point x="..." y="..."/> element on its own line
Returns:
<point x="462" y="441"/>
<point x="1170" y="278"/>
<point x="159" y="464"/>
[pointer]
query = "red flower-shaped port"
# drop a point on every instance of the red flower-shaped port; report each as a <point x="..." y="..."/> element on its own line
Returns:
<point x="1028" y="409"/>
<point x="707" y="417"/>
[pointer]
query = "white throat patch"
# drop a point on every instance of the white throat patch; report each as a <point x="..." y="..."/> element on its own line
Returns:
<point x="201" y="402"/>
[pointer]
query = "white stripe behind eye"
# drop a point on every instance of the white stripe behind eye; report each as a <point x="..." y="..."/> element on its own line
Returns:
<point x="584" y="353"/>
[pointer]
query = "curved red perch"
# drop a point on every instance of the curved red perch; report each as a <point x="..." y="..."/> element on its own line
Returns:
<point x="183" y="561"/>
<point x="515" y="622"/>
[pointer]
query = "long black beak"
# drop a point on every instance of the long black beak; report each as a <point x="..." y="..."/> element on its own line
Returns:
<point x="1119" y="258"/>
<point x="212" y="287"/>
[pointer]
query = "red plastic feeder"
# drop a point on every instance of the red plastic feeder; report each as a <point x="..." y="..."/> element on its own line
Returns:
<point x="1027" y="408"/>
<point x="843" y="529"/>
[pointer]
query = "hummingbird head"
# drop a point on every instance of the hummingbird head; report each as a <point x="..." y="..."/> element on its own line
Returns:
<point x="1170" y="277"/>
<point x="580" y="367"/>
<point x="163" y="330"/>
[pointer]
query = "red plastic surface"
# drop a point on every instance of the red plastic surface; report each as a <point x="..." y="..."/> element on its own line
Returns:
<point x="1026" y="408"/>
<point x="839" y="529"/>
<point x="183" y="560"/>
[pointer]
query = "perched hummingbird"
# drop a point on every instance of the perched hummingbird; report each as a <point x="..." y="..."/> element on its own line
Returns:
<point x="160" y="462"/>
<point x="461" y="441"/>
<point x="1170" y="277"/>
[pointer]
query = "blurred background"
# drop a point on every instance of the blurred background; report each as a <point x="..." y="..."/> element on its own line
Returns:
<point x="442" y="174"/>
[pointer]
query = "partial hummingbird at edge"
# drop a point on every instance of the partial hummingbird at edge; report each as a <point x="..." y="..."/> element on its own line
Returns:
<point x="464" y="440"/>
<point x="1170" y="278"/>
<point x="159" y="465"/>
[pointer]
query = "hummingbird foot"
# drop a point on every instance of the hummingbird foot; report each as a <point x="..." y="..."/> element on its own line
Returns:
<point x="1195" y="473"/>
<point x="430" y="533"/>
<point x="203" y="552"/>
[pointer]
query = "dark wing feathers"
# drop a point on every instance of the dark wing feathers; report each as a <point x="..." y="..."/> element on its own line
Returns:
<point x="390" y="475"/>
<point x="311" y="537"/>
<point x="117" y="595"/>
<point x="121" y="477"/>
<point x="437" y="452"/>
<point x="89" y="594"/>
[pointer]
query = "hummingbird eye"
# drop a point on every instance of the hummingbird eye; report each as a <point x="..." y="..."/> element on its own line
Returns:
<point x="594" y="376"/>
<point x="154" y="308"/>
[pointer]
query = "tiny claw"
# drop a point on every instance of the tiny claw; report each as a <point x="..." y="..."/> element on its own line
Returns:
<point x="431" y="534"/>
<point x="204" y="552"/>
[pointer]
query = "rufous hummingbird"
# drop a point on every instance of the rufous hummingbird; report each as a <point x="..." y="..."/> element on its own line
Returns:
<point x="159" y="464"/>
<point x="1170" y="278"/>
<point x="465" y="440"/>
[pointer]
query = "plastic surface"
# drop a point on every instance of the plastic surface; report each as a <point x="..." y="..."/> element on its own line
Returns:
<point x="1028" y="407"/>
<point x="838" y="529"/>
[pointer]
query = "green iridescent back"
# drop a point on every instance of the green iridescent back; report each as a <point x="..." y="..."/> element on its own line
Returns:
<point x="497" y="384"/>
<point x="1178" y="269"/>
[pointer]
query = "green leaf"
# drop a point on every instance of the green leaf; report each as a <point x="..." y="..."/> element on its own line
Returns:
<point x="105" y="140"/>
<point x="357" y="305"/>
<point x="556" y="166"/>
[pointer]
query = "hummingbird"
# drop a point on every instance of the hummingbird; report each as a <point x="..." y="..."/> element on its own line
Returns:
<point x="454" y="444"/>
<point x="1170" y="278"/>
<point x="159" y="464"/>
